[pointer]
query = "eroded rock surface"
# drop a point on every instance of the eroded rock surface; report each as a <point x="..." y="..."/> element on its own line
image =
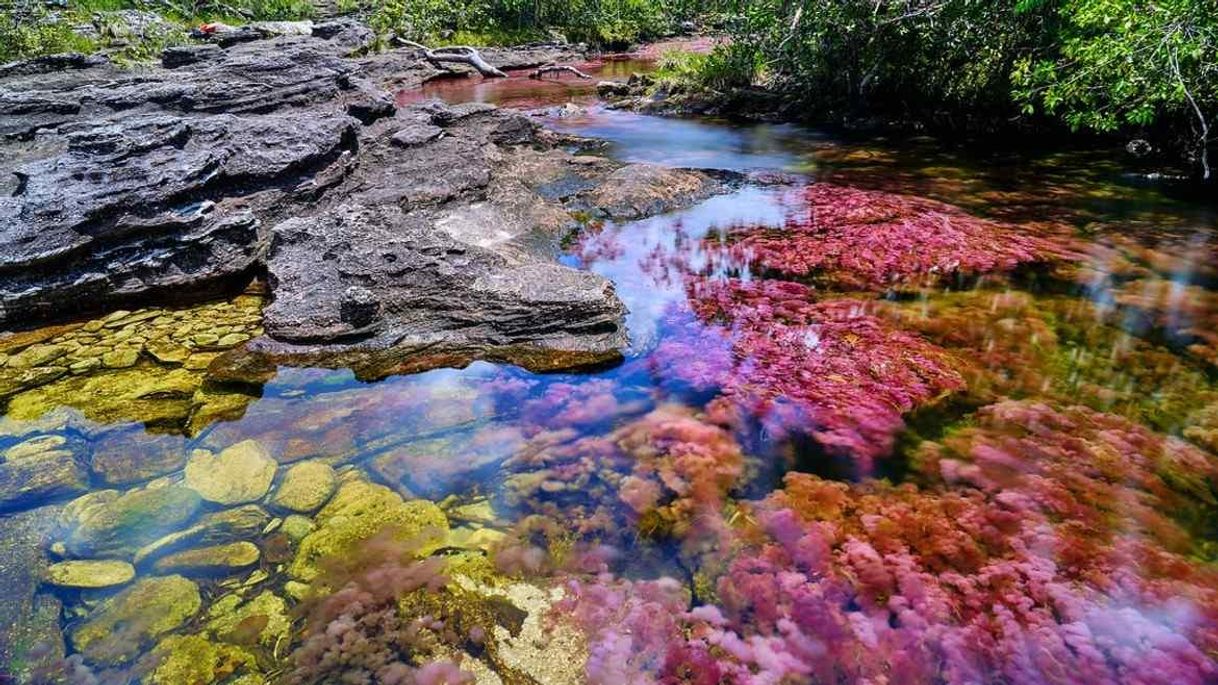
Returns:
<point x="385" y="231"/>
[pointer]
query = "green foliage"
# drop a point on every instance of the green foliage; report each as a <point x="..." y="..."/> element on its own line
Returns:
<point x="1127" y="63"/>
<point x="918" y="55"/>
<point x="599" y="22"/>
<point x="29" y="31"/>
<point x="732" y="66"/>
<point x="1105" y="65"/>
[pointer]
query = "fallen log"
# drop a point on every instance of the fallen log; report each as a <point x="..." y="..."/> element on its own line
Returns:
<point x="455" y="54"/>
<point x="556" y="68"/>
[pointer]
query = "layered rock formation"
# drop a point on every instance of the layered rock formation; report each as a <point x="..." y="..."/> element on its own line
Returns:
<point x="383" y="231"/>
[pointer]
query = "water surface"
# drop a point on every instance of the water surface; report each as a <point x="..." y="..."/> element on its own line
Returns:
<point x="860" y="450"/>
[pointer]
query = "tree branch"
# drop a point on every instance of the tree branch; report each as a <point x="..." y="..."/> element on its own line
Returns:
<point x="455" y="54"/>
<point x="556" y="68"/>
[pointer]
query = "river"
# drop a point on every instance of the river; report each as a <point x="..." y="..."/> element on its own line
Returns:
<point x="892" y="410"/>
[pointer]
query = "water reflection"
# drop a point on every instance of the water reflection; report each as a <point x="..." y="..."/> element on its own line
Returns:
<point x="859" y="434"/>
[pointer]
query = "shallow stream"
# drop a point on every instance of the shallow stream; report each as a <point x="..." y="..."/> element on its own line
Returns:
<point x="892" y="411"/>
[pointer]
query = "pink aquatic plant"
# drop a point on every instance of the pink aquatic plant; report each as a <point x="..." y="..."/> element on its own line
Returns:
<point x="666" y="474"/>
<point x="871" y="240"/>
<point x="990" y="572"/>
<point x="778" y="356"/>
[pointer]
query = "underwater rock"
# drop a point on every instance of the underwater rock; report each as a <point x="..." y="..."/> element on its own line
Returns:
<point x="306" y="487"/>
<point x="38" y="470"/>
<point x="14" y="380"/>
<point x="262" y="620"/>
<point x="230" y="525"/>
<point x="642" y="190"/>
<point x="296" y="527"/>
<point x="240" y="473"/>
<point x="206" y="561"/>
<point x="123" y="626"/>
<point x="90" y="573"/>
<point x="442" y="466"/>
<point x="147" y="394"/>
<point x="125" y="457"/>
<point x="30" y="637"/>
<point x="36" y="355"/>
<point x="117" y="528"/>
<point x="195" y="660"/>
<point x="358" y="511"/>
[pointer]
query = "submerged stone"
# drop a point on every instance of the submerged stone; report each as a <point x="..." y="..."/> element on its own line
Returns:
<point x="217" y="528"/>
<point x="117" y="528"/>
<point x="121" y="627"/>
<point x="90" y="573"/>
<point x="360" y="510"/>
<point x="36" y="355"/>
<point x="39" y="469"/>
<point x="306" y="487"/>
<point x="240" y="473"/>
<point x="217" y="560"/>
<point x="134" y="456"/>
<point x="262" y="620"/>
<point x="195" y="660"/>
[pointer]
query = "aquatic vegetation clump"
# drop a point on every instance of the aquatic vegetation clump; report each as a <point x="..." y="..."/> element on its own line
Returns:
<point x="1033" y="552"/>
<point x="357" y="634"/>
<point x="665" y="475"/>
<point x="870" y="240"/>
<point x="829" y="368"/>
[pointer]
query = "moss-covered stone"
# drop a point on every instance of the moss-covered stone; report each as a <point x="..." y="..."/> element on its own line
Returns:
<point x="40" y="468"/>
<point x="262" y="620"/>
<point x="90" y="573"/>
<point x="119" y="527"/>
<point x="121" y="627"/>
<point x="36" y="355"/>
<point x="214" y="560"/>
<point x="217" y="528"/>
<point x="145" y="393"/>
<point x="360" y="510"/>
<point x="125" y="457"/>
<point x="240" y="473"/>
<point x="195" y="660"/>
<point x="297" y="527"/>
<point x="306" y="487"/>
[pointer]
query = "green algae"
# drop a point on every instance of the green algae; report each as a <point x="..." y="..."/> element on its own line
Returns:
<point x="357" y="512"/>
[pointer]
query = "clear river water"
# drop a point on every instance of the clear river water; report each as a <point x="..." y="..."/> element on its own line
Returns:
<point x="892" y="411"/>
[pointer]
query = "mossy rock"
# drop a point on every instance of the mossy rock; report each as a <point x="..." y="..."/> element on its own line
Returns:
<point x="240" y="473"/>
<point x="121" y="627"/>
<point x="119" y="527"/>
<point x="306" y="487"/>
<point x="229" y="525"/>
<point x="210" y="561"/>
<point x="40" y="468"/>
<point x="146" y="393"/>
<point x="90" y="573"/>
<point x="195" y="660"/>
<point x="262" y="620"/>
<point x="360" y="510"/>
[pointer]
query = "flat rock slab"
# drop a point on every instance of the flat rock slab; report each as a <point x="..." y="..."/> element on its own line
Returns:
<point x="394" y="239"/>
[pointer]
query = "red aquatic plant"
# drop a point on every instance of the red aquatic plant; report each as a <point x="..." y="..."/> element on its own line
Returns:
<point x="794" y="364"/>
<point x="871" y="240"/>
<point x="989" y="573"/>
<point x="665" y="474"/>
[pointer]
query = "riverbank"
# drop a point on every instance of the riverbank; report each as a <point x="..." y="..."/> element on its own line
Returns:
<point x="379" y="230"/>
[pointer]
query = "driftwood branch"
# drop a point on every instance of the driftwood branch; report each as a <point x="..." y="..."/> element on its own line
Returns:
<point x="456" y="54"/>
<point x="557" y="68"/>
